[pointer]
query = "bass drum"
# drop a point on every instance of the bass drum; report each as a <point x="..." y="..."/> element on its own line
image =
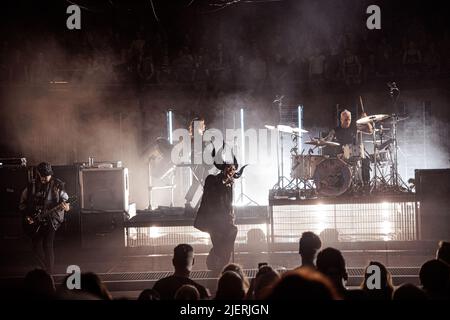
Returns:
<point x="304" y="167"/>
<point x="333" y="177"/>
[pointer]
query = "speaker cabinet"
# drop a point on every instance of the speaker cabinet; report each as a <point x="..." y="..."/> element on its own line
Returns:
<point x="12" y="182"/>
<point x="433" y="193"/>
<point x="104" y="189"/>
<point x="102" y="230"/>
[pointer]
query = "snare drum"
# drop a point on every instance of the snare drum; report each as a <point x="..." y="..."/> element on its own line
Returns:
<point x="304" y="166"/>
<point x="353" y="152"/>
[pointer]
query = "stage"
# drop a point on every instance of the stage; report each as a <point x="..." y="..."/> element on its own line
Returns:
<point x="135" y="254"/>
<point x="340" y="219"/>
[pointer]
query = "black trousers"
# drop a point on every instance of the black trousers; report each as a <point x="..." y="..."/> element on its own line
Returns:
<point x="366" y="171"/>
<point x="43" y="251"/>
<point x="223" y="246"/>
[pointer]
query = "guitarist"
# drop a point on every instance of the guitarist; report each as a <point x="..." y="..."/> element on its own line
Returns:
<point x="44" y="193"/>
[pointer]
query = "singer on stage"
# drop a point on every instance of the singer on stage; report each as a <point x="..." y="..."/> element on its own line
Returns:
<point x="216" y="214"/>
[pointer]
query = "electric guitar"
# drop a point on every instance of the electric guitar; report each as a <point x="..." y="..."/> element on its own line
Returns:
<point x="33" y="221"/>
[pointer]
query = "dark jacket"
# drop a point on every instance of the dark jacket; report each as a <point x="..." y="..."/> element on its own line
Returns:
<point x="55" y="196"/>
<point x="216" y="207"/>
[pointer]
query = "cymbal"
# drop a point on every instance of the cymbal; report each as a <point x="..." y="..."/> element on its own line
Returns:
<point x="285" y="129"/>
<point x="402" y="118"/>
<point x="298" y="130"/>
<point x="322" y="143"/>
<point x="373" y="118"/>
<point x="288" y="129"/>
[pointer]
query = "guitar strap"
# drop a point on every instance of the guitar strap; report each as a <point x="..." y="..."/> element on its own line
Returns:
<point x="31" y="192"/>
<point x="44" y="198"/>
<point x="55" y="188"/>
<point x="46" y="193"/>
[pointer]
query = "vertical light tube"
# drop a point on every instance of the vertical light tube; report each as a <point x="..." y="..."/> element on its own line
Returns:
<point x="170" y="126"/>
<point x="300" y="126"/>
<point x="241" y="197"/>
<point x="242" y="137"/>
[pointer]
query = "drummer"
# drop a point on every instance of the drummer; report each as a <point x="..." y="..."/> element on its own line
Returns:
<point x="345" y="134"/>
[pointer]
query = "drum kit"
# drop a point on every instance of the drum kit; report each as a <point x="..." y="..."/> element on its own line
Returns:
<point x="328" y="176"/>
<point x="342" y="173"/>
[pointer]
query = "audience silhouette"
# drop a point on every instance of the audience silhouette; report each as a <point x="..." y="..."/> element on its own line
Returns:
<point x="303" y="284"/>
<point x="187" y="292"/>
<point x="322" y="278"/>
<point x="434" y="277"/>
<point x="309" y="244"/>
<point x="386" y="286"/>
<point x="39" y="285"/>
<point x="230" y="287"/>
<point x="409" y="292"/>
<point x="331" y="263"/>
<point x="183" y="260"/>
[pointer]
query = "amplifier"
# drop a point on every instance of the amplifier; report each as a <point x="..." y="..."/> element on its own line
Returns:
<point x="433" y="193"/>
<point x="104" y="189"/>
<point x="13" y="162"/>
<point x="102" y="230"/>
<point x="13" y="180"/>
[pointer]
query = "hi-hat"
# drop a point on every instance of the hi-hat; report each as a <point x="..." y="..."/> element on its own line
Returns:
<point x="373" y="118"/>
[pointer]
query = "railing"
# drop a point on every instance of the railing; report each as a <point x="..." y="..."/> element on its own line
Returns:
<point x="383" y="219"/>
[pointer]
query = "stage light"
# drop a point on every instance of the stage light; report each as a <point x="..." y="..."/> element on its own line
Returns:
<point x="386" y="229"/>
<point x="242" y="137"/>
<point x="321" y="211"/>
<point x="170" y="126"/>
<point x="154" y="232"/>
<point x="300" y="126"/>
<point x="321" y="217"/>
<point x="240" y="199"/>
<point x="386" y="208"/>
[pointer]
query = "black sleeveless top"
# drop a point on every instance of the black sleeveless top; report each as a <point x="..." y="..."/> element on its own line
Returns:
<point x="345" y="135"/>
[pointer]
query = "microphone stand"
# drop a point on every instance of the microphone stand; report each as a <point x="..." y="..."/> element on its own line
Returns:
<point x="242" y="195"/>
<point x="398" y="182"/>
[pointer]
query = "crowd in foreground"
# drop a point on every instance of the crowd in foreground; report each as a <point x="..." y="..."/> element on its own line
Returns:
<point x="321" y="276"/>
